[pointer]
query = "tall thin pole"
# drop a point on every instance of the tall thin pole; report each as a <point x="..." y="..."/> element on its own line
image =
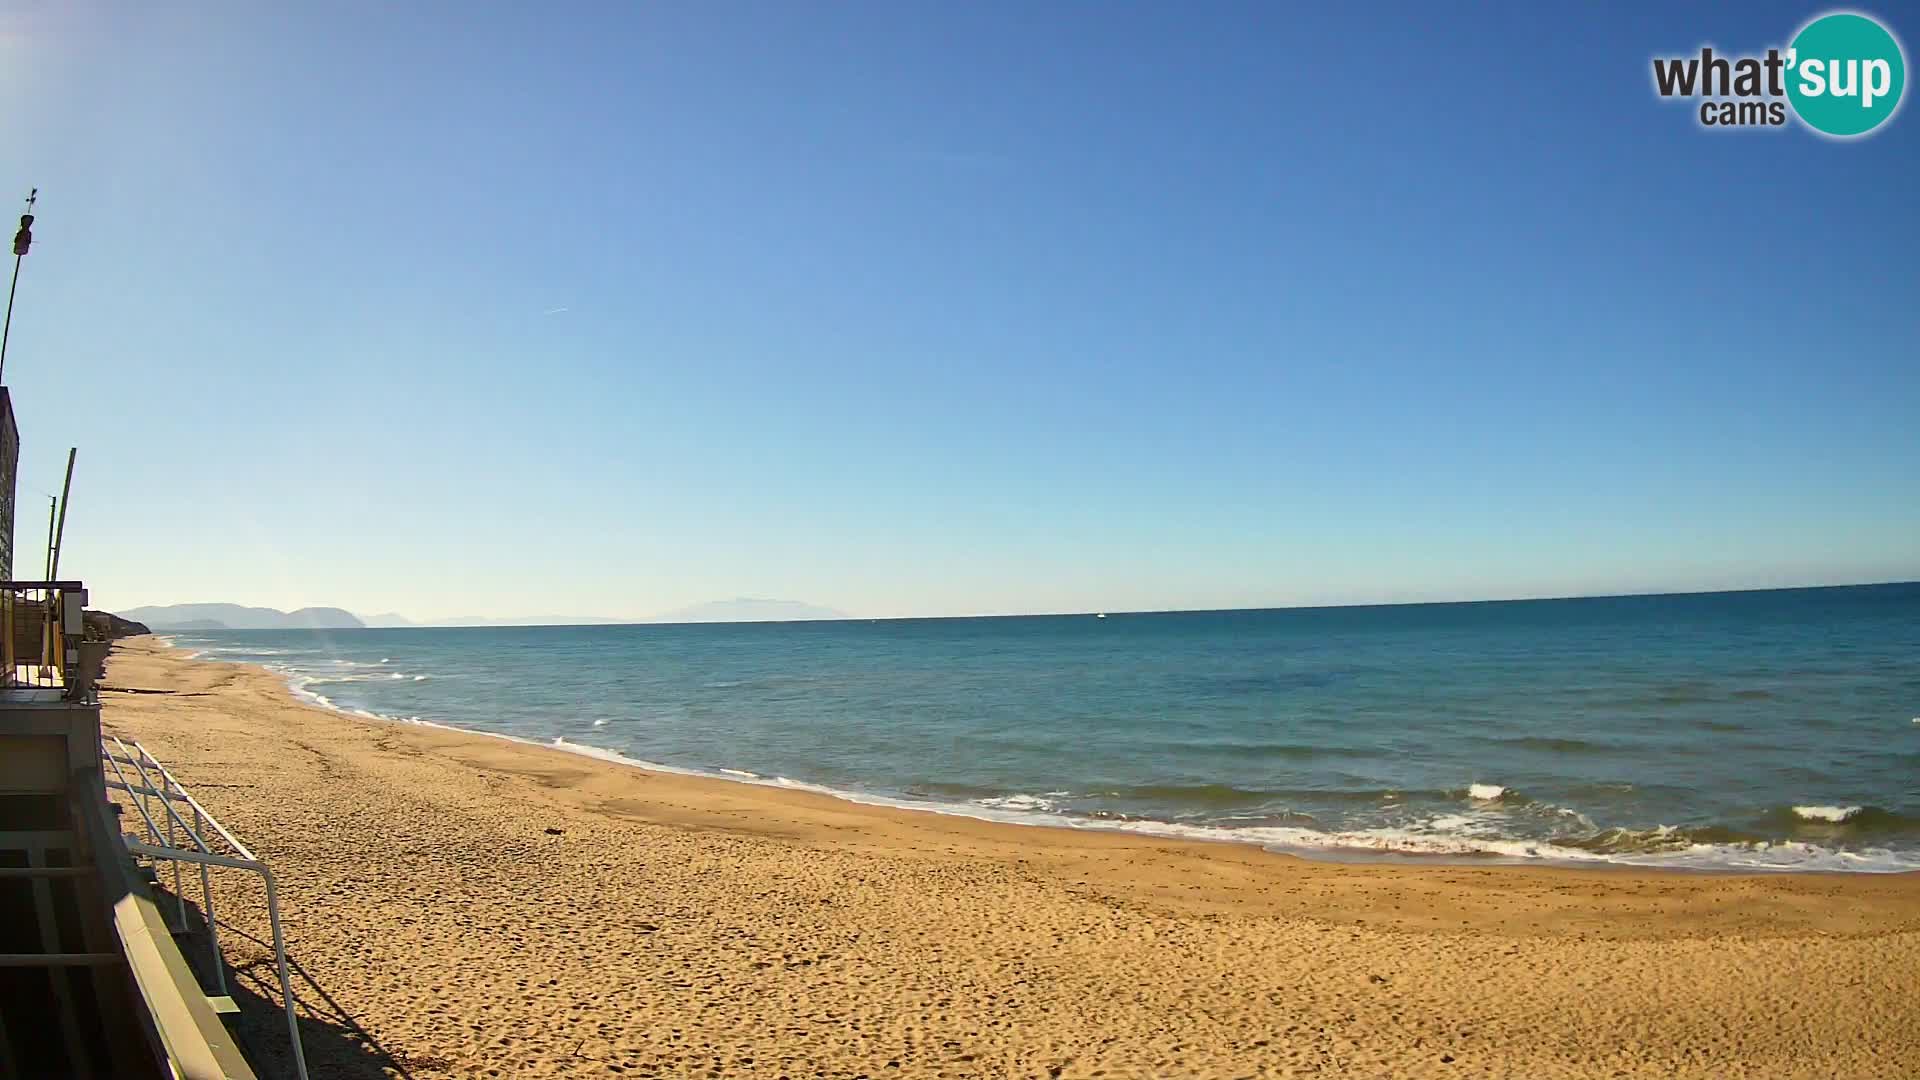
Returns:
<point x="21" y="241"/>
<point x="7" y="331"/>
<point x="66" y="491"/>
<point x="46" y="614"/>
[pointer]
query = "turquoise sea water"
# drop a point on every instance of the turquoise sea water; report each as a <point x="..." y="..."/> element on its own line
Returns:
<point x="1761" y="729"/>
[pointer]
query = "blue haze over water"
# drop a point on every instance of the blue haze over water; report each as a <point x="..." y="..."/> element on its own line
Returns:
<point x="1761" y="729"/>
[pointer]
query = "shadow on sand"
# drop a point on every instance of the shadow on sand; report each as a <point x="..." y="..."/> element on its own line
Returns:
<point x="335" y="1043"/>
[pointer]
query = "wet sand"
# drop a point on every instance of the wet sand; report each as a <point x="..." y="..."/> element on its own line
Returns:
<point x="485" y="908"/>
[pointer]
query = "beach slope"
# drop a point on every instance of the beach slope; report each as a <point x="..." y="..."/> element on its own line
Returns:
<point x="485" y="908"/>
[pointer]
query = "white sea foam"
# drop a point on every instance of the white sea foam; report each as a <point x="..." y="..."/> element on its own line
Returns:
<point x="314" y="698"/>
<point x="800" y="785"/>
<point x="1835" y="814"/>
<point x="360" y="677"/>
<point x="1585" y="821"/>
<point x="1433" y="839"/>
<point x="1472" y="835"/>
<point x="1019" y="802"/>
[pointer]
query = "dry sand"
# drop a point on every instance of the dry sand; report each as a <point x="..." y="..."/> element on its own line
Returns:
<point x="677" y="926"/>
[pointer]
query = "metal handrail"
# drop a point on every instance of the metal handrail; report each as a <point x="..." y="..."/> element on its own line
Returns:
<point x="146" y="788"/>
<point x="187" y="797"/>
<point x="180" y="900"/>
<point x="169" y="791"/>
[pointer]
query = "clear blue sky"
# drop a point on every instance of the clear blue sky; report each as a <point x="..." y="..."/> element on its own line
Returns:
<point x="917" y="308"/>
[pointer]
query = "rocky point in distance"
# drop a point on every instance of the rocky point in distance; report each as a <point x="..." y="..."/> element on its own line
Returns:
<point x="238" y="617"/>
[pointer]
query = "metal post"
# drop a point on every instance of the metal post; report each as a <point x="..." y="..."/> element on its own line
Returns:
<point x="170" y="788"/>
<point x="139" y="798"/>
<point x="22" y="240"/>
<point x="206" y="905"/>
<point x="286" y="981"/>
<point x="173" y="816"/>
<point x="273" y="918"/>
<point x="153" y="789"/>
<point x="7" y="332"/>
<point x="46" y="599"/>
<point x="191" y="801"/>
<point x="179" y="899"/>
<point x="66" y="496"/>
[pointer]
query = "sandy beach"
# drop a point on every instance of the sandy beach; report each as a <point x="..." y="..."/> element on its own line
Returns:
<point x="462" y="905"/>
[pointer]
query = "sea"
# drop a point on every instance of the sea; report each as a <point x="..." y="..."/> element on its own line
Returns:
<point x="1773" y="730"/>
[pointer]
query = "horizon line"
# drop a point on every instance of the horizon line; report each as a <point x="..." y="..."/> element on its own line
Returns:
<point x="621" y="620"/>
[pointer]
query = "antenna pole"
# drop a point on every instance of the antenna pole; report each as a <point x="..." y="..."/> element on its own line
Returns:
<point x="66" y="491"/>
<point x="46" y="614"/>
<point x="21" y="241"/>
<point x="7" y="331"/>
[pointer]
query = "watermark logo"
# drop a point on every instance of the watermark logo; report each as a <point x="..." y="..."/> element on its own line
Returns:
<point x="1843" y="75"/>
<point x="1851" y="74"/>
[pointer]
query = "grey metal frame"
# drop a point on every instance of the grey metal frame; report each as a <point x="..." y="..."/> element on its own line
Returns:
<point x="169" y="791"/>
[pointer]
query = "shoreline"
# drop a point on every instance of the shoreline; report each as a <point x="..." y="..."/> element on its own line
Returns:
<point x="1339" y="848"/>
<point x="479" y="903"/>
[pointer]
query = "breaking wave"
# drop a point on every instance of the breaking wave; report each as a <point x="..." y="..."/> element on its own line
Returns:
<point x="1522" y="807"/>
<point x="1464" y="837"/>
<point x="1475" y="835"/>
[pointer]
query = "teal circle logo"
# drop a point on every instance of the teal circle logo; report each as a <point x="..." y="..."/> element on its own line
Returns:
<point x="1845" y="74"/>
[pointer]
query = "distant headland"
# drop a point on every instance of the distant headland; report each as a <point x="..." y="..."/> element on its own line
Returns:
<point x="239" y="617"/>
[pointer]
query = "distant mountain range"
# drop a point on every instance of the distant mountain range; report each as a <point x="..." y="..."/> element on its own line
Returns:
<point x="749" y="609"/>
<point x="392" y="619"/>
<point x="236" y="617"/>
